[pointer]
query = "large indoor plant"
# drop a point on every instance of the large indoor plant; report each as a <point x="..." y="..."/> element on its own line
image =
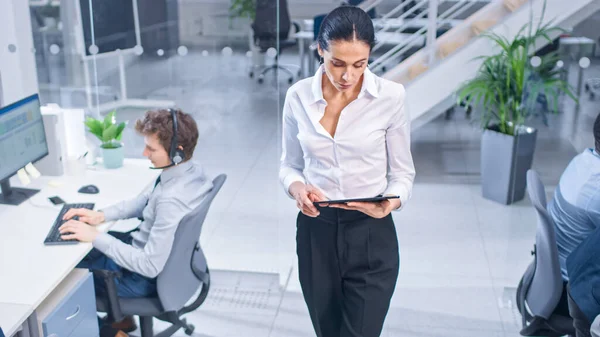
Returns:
<point x="109" y="132"/>
<point x="508" y="86"/>
<point x="243" y="8"/>
<point x="246" y="9"/>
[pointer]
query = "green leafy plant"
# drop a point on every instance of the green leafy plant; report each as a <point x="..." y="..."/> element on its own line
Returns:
<point x="107" y="130"/>
<point x="243" y="8"/>
<point x="508" y="85"/>
<point x="49" y="11"/>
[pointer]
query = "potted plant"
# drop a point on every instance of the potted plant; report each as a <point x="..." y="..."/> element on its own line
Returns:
<point x="109" y="132"/>
<point x="508" y="85"/>
<point x="243" y="8"/>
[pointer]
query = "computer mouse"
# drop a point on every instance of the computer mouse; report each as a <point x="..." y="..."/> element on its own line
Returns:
<point x="89" y="189"/>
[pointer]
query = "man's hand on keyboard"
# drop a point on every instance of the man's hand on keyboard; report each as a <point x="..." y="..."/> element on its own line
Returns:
<point x="85" y="215"/>
<point x="77" y="230"/>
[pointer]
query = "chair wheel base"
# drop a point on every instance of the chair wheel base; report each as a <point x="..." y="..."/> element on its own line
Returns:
<point x="261" y="79"/>
<point x="190" y="330"/>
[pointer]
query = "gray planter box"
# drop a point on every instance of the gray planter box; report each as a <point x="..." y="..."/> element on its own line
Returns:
<point x="504" y="163"/>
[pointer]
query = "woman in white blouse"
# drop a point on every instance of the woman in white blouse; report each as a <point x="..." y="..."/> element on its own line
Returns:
<point x="346" y="135"/>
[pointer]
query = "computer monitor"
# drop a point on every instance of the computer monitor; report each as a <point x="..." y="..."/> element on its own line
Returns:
<point x="22" y="141"/>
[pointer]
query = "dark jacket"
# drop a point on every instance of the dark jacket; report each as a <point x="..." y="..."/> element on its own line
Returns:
<point x="583" y="268"/>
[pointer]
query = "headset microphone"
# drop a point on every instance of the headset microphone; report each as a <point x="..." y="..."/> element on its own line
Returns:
<point x="162" y="167"/>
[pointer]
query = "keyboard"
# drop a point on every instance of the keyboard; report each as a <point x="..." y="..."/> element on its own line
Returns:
<point x="54" y="236"/>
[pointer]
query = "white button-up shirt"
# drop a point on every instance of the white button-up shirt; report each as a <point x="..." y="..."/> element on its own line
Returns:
<point x="369" y="154"/>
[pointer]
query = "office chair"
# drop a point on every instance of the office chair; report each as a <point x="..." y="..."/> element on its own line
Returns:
<point x="317" y="21"/>
<point x="267" y="31"/>
<point x="358" y="3"/>
<point x="541" y="287"/>
<point x="185" y="272"/>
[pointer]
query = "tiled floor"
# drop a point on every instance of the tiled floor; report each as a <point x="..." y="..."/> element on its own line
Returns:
<point x="461" y="255"/>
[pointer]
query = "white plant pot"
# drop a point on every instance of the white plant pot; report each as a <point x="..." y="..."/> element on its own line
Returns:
<point x="113" y="158"/>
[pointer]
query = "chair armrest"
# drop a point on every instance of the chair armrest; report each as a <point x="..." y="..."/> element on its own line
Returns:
<point x="114" y="306"/>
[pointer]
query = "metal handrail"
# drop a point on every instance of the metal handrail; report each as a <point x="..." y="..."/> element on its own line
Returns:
<point x="444" y="18"/>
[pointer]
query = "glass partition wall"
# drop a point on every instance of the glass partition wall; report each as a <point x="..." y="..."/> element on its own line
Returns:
<point x="129" y="57"/>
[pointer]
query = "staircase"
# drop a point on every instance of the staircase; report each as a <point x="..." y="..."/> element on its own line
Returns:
<point x="446" y="56"/>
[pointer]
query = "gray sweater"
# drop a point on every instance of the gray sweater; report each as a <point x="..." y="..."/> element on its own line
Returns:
<point x="181" y="189"/>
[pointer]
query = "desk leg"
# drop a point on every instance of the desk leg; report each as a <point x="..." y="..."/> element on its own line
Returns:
<point x="30" y="327"/>
<point x="32" y="322"/>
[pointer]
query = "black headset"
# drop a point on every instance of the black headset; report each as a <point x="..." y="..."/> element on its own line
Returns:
<point x="177" y="155"/>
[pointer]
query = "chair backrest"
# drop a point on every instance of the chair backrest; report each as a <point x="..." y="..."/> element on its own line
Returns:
<point x="177" y="283"/>
<point x="266" y="27"/>
<point x="546" y="287"/>
<point x="362" y="4"/>
<point x="317" y="21"/>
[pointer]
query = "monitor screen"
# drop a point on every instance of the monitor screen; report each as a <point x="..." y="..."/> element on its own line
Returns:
<point x="22" y="135"/>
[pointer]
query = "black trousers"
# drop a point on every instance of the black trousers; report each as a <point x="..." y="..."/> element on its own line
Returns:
<point x="348" y="266"/>
<point x="580" y="321"/>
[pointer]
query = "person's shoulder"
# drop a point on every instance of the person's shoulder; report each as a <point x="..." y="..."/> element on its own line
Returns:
<point x="587" y="158"/>
<point x="193" y="180"/>
<point x="389" y="89"/>
<point x="300" y="88"/>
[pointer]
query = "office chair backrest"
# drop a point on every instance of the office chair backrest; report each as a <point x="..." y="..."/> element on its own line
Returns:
<point x="362" y="4"/>
<point x="177" y="283"/>
<point x="546" y="287"/>
<point x="317" y="21"/>
<point x="266" y="26"/>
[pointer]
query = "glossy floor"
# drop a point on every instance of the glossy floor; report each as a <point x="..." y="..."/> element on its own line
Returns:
<point x="461" y="255"/>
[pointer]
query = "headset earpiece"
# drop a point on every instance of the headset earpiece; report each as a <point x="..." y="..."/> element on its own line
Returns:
<point x="177" y="155"/>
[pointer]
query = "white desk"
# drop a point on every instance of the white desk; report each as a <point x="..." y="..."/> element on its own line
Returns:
<point x="12" y="317"/>
<point x="32" y="270"/>
<point x="305" y="38"/>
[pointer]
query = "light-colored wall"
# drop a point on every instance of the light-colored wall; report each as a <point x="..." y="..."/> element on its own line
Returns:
<point x="590" y="28"/>
<point x="17" y="69"/>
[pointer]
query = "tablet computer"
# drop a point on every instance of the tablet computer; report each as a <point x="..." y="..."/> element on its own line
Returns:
<point x="343" y="201"/>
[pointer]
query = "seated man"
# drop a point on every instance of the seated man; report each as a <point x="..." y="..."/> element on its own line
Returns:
<point x="141" y="254"/>
<point x="583" y="266"/>
<point x="575" y="208"/>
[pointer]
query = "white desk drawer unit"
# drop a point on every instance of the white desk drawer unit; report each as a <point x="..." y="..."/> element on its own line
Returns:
<point x="70" y="311"/>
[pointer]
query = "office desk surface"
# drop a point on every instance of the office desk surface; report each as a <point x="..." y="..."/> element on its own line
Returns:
<point x="12" y="317"/>
<point x="31" y="269"/>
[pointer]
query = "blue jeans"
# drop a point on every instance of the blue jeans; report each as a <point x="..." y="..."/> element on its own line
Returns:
<point x="130" y="284"/>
